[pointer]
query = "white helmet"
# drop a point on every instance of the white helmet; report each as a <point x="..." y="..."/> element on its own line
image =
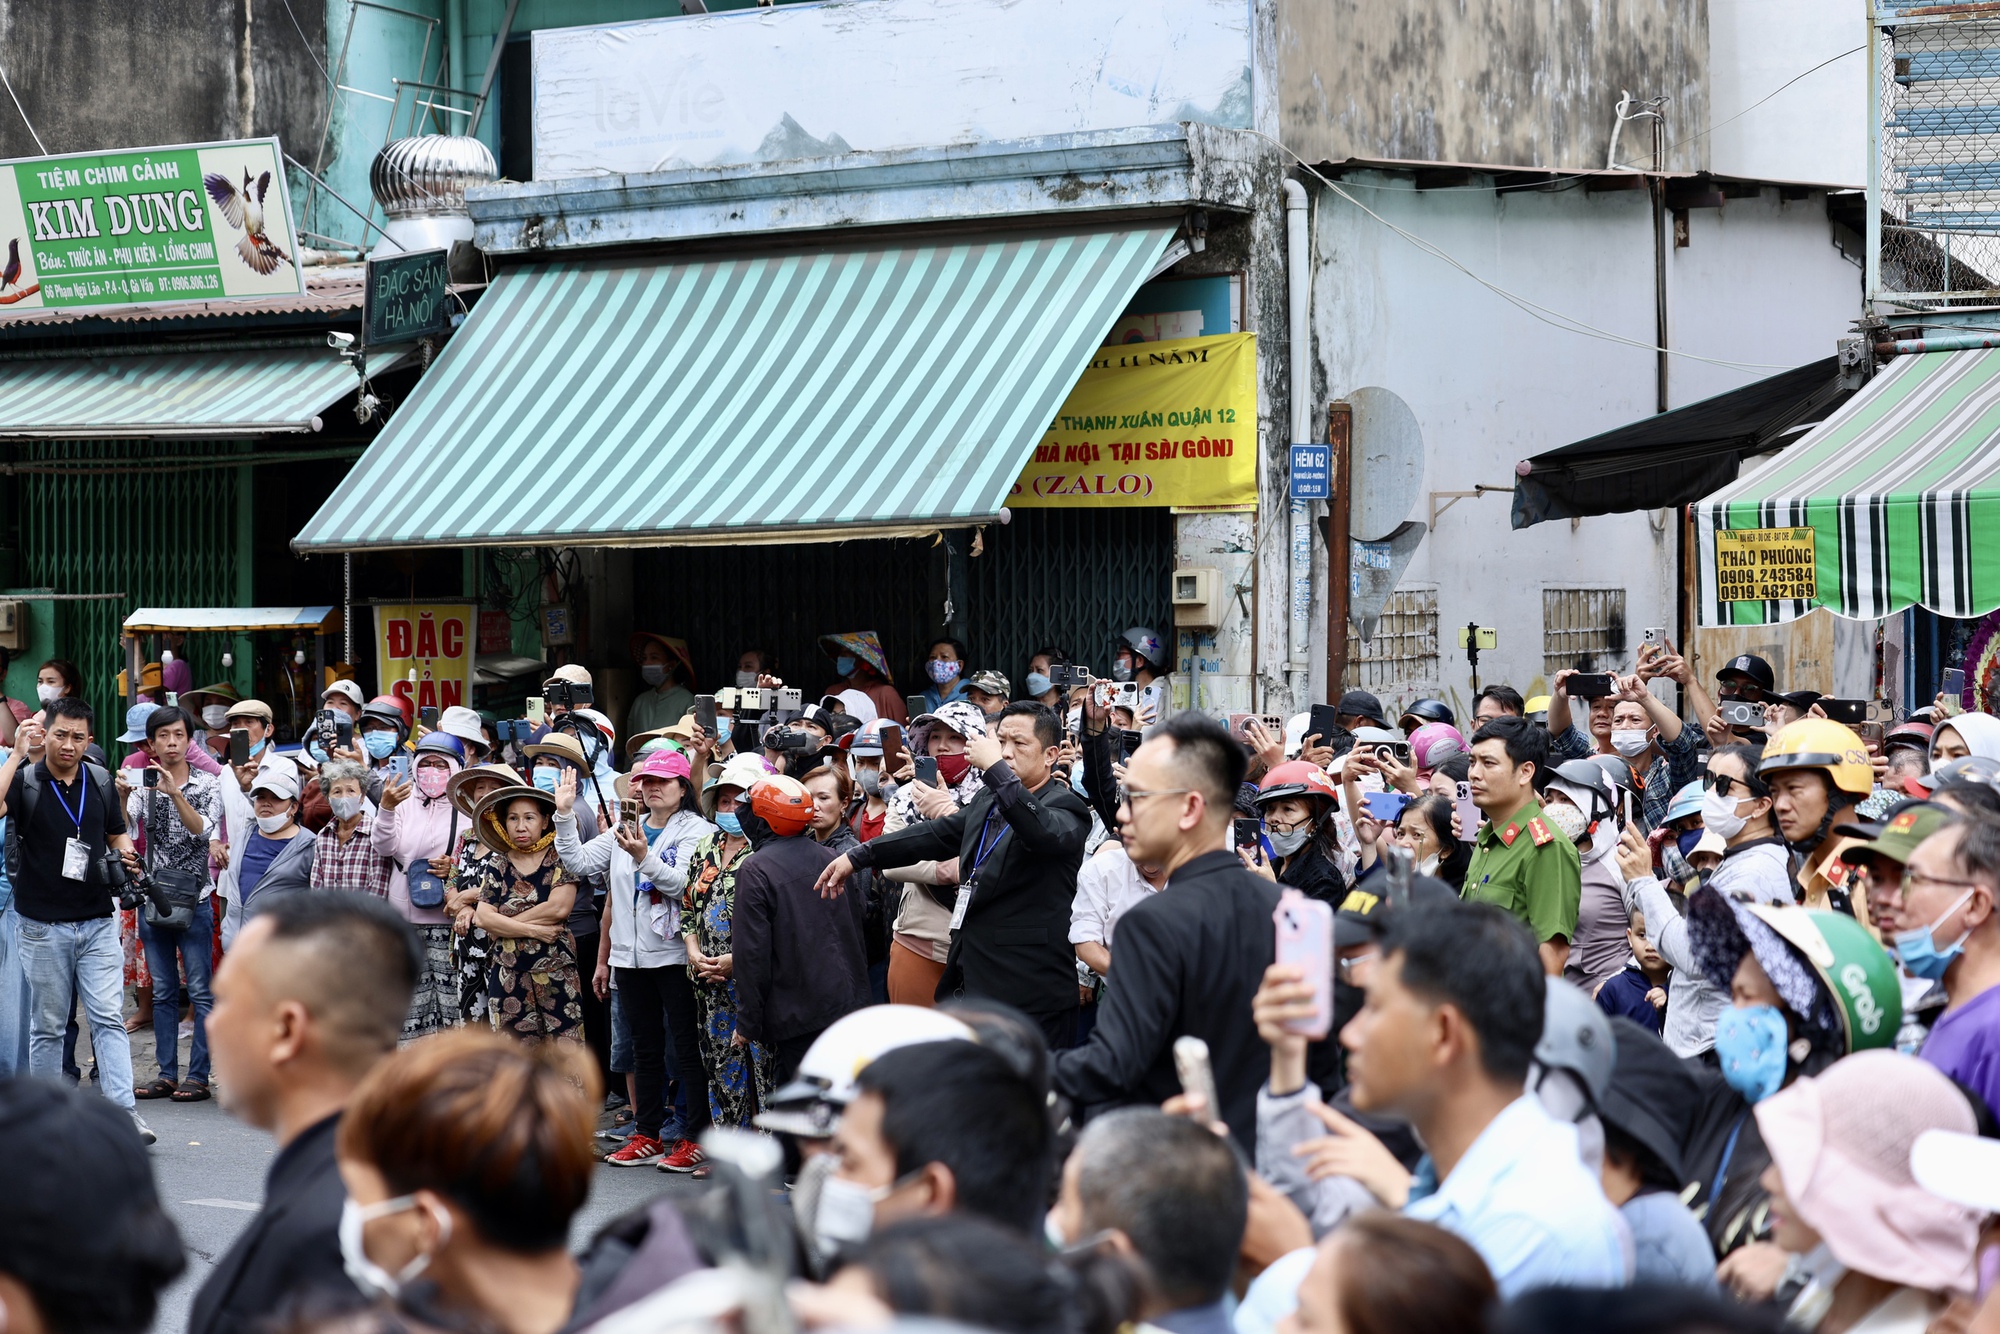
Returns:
<point x="811" y="1103"/>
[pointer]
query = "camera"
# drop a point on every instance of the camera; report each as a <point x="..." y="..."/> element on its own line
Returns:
<point x="1064" y="675"/>
<point x="790" y="740"/>
<point x="571" y="695"/>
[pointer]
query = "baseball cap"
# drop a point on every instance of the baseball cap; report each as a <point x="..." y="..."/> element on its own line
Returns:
<point x="346" y="689"/>
<point x="1363" y="705"/>
<point x="1751" y="666"/>
<point x="250" y="708"/>
<point x="135" y="723"/>
<point x="1800" y="699"/>
<point x="279" y="777"/>
<point x="990" y="682"/>
<point x="1897" y="834"/>
<point x="1365" y="913"/>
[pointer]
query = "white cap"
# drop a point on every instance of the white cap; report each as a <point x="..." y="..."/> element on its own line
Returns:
<point x="462" y="723"/>
<point x="346" y="690"/>
<point x="277" y="776"/>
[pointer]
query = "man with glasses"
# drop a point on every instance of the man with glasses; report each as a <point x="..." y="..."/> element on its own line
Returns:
<point x="1947" y="930"/>
<point x="1190" y="957"/>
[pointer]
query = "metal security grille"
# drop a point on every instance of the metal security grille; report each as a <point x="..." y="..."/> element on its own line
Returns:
<point x="1073" y="580"/>
<point x="1582" y="628"/>
<point x="1938" y="154"/>
<point x="1403" y="655"/>
<point x="163" y="538"/>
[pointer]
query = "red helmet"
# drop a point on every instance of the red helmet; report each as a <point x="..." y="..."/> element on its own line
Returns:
<point x="402" y="704"/>
<point x="1296" y="778"/>
<point x="783" y="803"/>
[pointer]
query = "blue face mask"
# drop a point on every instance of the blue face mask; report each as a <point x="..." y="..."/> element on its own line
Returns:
<point x="379" y="744"/>
<point x="1038" y="684"/>
<point x="545" y="778"/>
<point x="317" y="751"/>
<point x="1685" y="842"/>
<point x="727" y="822"/>
<point x="722" y="727"/>
<point x="1918" y="950"/>
<point x="843" y="666"/>
<point x="1750" y="1043"/>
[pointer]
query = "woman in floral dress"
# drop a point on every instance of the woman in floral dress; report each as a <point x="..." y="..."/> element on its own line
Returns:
<point x="739" y="1078"/>
<point x="533" y="990"/>
<point x="470" y="946"/>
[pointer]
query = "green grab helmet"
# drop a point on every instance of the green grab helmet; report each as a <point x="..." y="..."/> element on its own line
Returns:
<point x="1850" y="963"/>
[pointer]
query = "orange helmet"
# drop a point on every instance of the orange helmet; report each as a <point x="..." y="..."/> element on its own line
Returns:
<point x="783" y="803"/>
<point x="1296" y="778"/>
<point x="402" y="704"/>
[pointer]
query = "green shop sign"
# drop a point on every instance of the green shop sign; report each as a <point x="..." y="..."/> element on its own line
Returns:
<point x="199" y="222"/>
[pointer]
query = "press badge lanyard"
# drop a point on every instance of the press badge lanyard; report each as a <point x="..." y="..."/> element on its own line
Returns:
<point x="76" y="854"/>
<point x="978" y="860"/>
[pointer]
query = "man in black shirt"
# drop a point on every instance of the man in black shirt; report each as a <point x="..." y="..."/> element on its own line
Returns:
<point x="65" y="822"/>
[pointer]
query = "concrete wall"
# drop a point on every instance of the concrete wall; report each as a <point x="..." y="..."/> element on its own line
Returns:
<point x="1760" y="282"/>
<point x="1812" y="129"/>
<point x="1506" y="82"/>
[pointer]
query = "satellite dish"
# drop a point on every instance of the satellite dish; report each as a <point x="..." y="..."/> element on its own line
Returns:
<point x="1386" y="464"/>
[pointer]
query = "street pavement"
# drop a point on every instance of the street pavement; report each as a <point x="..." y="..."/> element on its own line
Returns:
<point x="210" y="1171"/>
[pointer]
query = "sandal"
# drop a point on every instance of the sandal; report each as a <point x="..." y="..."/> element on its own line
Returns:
<point x="191" y="1090"/>
<point x="159" y="1088"/>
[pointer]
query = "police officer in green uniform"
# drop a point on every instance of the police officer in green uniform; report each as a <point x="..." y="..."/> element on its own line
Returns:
<point x="1520" y="861"/>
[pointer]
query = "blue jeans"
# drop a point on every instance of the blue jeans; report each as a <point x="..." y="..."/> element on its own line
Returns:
<point x="194" y="947"/>
<point x="15" y="1002"/>
<point x="64" y="960"/>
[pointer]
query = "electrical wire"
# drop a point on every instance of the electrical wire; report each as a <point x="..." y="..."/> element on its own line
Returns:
<point x="4" y="80"/>
<point x="1767" y="96"/>
<point x="305" y="41"/>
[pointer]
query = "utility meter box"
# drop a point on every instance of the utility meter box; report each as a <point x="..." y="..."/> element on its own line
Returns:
<point x="14" y="626"/>
<point x="1197" y="597"/>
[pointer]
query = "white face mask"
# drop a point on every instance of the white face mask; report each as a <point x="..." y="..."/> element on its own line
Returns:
<point x="344" y="808"/>
<point x="1631" y="742"/>
<point x="846" y="1213"/>
<point x="215" y="716"/>
<point x="374" y="1281"/>
<point x="1718" y="813"/>
<point x="271" y="824"/>
<point x="47" y="693"/>
<point x="1568" y="819"/>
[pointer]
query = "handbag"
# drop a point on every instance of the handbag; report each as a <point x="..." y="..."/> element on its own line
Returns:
<point x="426" y="886"/>
<point x="181" y="890"/>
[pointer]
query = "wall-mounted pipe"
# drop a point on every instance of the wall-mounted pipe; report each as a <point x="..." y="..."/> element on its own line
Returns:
<point x="1298" y="276"/>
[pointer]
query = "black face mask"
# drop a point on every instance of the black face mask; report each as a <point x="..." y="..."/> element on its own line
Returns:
<point x="755" y="829"/>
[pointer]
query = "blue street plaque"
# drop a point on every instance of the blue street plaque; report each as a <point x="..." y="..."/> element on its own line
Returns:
<point x="1312" y="472"/>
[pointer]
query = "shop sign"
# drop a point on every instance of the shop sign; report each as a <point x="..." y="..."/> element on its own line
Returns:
<point x="1152" y="424"/>
<point x="405" y="297"/>
<point x="199" y="222"/>
<point x="1765" y="565"/>
<point x="436" y="641"/>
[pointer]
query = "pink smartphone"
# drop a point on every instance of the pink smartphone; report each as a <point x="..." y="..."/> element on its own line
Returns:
<point x="1305" y="940"/>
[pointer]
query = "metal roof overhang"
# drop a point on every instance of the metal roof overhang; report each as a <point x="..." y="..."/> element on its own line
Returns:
<point x="177" y="620"/>
<point x="204" y="394"/>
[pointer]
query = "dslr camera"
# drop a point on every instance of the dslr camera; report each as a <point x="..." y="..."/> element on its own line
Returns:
<point x="790" y="740"/>
<point x="571" y="695"/>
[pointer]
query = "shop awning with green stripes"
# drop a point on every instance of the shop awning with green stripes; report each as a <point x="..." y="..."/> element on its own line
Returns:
<point x="1888" y="494"/>
<point x="858" y="391"/>
<point x="205" y="394"/>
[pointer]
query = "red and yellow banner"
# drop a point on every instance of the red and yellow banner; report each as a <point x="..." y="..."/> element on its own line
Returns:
<point x="1153" y="424"/>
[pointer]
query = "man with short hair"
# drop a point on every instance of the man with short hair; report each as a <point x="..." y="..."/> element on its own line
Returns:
<point x="1019" y="843"/>
<point x="1521" y="862"/>
<point x="1190" y="957"/>
<point x="1497" y="702"/>
<point x="1948" y="929"/>
<point x="1454" y="1010"/>
<point x="1165" y="1193"/>
<point x="1358" y="708"/>
<point x="1636" y="726"/>
<point x="65" y="823"/>
<point x="311" y="995"/>
<point x="938" y="1127"/>
<point x="988" y="691"/>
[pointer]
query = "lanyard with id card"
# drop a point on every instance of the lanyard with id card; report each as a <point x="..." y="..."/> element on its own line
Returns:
<point x="985" y="850"/>
<point x="76" y="853"/>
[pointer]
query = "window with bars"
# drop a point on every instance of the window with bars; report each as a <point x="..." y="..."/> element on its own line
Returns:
<point x="1404" y="652"/>
<point x="1582" y="628"/>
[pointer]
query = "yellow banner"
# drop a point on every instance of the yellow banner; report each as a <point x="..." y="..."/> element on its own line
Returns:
<point x="1153" y="424"/>
<point x="1765" y="565"/>
<point x="437" y="641"/>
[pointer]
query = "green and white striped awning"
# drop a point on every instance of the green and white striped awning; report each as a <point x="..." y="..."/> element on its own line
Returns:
<point x="205" y="394"/>
<point x="1889" y="487"/>
<point x="834" y="393"/>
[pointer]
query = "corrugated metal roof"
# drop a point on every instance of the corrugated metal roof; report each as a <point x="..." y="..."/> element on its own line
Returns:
<point x="808" y="396"/>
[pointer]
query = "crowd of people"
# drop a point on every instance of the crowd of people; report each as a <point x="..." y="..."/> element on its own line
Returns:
<point x="1593" y="1012"/>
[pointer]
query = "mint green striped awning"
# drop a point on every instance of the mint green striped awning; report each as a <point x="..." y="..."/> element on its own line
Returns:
<point x="858" y="391"/>
<point x="1890" y="486"/>
<point x="205" y="394"/>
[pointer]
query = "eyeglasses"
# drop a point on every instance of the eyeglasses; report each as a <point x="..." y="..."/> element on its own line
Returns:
<point x="1132" y="794"/>
<point x="1345" y="969"/>
<point x="1913" y="878"/>
<point x="1720" y="784"/>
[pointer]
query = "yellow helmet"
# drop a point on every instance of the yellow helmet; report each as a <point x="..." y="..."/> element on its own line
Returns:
<point x="1820" y="743"/>
<point x="1539" y="704"/>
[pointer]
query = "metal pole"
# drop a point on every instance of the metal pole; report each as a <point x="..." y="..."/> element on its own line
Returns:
<point x="493" y="66"/>
<point x="1658" y="193"/>
<point x="1339" y="548"/>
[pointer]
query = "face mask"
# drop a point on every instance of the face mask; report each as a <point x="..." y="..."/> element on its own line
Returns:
<point x="1121" y="670"/>
<point x="48" y="693"/>
<point x="215" y="716"/>
<point x="723" y="726"/>
<point x="1630" y="742"/>
<point x="545" y="778"/>
<point x="379" y="745"/>
<point x="1052" y="1233"/>
<point x="431" y="780"/>
<point x="1750" y="1043"/>
<point x="727" y="822"/>
<point x="1918" y="949"/>
<point x="1685" y="842"/>
<point x="372" y="1279"/>
<point x="1568" y="819"/>
<point x="1039" y="684"/>
<point x="870" y="780"/>
<point x="344" y="808"/>
<point x="1287" y="844"/>
<point x="1076" y="782"/>
<point x="1719" y="813"/>
<point x="271" y="824"/>
<point x="846" y="1214"/>
<point x="653" y="673"/>
<point x="317" y="751"/>
<point x="942" y="671"/>
<point x="843" y="665"/>
<point x="953" y="768"/>
<point x="1428" y="866"/>
<point x="746" y="680"/>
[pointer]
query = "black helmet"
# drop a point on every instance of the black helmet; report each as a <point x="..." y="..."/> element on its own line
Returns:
<point x="1430" y="710"/>
<point x="380" y="712"/>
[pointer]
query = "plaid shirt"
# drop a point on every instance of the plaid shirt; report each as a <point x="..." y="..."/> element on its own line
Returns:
<point x="353" y="865"/>
<point x="1674" y="768"/>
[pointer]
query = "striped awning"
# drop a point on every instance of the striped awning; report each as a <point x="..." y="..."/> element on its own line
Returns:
<point x="205" y="394"/>
<point x="862" y="391"/>
<point x="1888" y="486"/>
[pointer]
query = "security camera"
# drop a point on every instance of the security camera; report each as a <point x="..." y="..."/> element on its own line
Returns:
<point x="340" y="342"/>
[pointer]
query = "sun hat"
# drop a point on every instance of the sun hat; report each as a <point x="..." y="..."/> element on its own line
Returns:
<point x="863" y="644"/>
<point x="740" y="772"/>
<point x="1842" y="1142"/>
<point x="463" y="723"/>
<point x="135" y="723"/>
<point x="573" y="672"/>
<point x="221" y="693"/>
<point x="486" y="815"/>
<point x="561" y="745"/>
<point x="957" y="716"/>
<point x="676" y="648"/>
<point x="461" y="782"/>
<point x="1653" y="1097"/>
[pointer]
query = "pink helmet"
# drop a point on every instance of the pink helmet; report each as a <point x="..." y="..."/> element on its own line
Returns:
<point x="1434" y="743"/>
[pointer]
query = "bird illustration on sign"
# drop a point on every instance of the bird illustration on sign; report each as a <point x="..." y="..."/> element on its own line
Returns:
<point x="10" y="277"/>
<point x="243" y="206"/>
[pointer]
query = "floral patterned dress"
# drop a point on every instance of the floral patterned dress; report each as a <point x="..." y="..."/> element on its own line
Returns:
<point x="739" y="1078"/>
<point x="470" y="951"/>
<point x="532" y="987"/>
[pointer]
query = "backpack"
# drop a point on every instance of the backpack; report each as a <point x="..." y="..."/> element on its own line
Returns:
<point x="31" y="790"/>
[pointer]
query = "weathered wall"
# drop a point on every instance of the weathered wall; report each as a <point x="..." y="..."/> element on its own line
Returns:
<point x="99" y="74"/>
<point x="1513" y="82"/>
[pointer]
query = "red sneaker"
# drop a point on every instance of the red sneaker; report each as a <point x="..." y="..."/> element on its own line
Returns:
<point x="638" y="1151"/>
<point x="685" y="1157"/>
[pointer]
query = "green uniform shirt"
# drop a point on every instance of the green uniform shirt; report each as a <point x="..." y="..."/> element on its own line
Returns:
<point x="1527" y="867"/>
